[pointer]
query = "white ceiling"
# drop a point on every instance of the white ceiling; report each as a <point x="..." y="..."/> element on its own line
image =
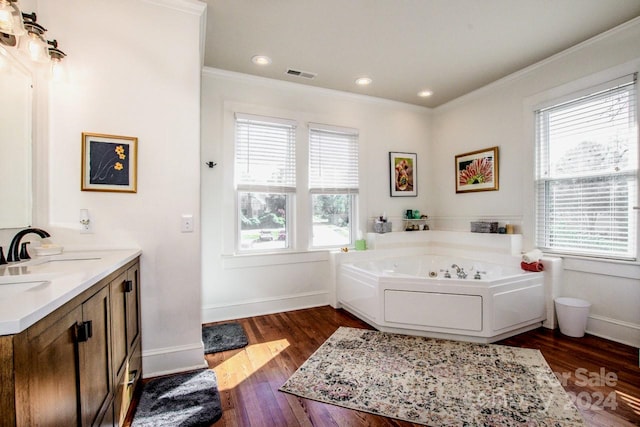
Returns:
<point x="451" y="47"/>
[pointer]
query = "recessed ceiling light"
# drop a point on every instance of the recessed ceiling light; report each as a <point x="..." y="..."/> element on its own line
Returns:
<point x="261" y="60"/>
<point x="425" y="93"/>
<point x="363" y="81"/>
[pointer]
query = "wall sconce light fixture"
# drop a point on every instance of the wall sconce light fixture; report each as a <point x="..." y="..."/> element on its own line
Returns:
<point x="11" y="19"/>
<point x="18" y="29"/>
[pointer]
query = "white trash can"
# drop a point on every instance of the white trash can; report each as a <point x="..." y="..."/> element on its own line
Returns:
<point x="572" y="316"/>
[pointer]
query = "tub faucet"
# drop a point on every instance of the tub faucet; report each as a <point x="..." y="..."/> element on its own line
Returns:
<point x="459" y="271"/>
<point x="13" y="254"/>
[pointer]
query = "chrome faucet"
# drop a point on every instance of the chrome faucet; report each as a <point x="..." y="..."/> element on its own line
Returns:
<point x="459" y="271"/>
<point x="15" y="243"/>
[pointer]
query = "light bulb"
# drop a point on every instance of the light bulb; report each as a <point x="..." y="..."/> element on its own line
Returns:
<point x="18" y="22"/>
<point x="364" y="81"/>
<point x="34" y="46"/>
<point x="6" y="17"/>
<point x="58" y="71"/>
<point x="11" y="19"/>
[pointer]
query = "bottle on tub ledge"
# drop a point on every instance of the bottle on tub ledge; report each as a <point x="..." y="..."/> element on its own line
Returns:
<point x="507" y="229"/>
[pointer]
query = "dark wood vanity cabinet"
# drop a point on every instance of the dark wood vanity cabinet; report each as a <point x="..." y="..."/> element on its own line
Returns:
<point x="75" y="367"/>
<point x="125" y="293"/>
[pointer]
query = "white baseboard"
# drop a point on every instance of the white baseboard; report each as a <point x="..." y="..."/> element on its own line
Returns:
<point x="614" y="330"/>
<point x="170" y="360"/>
<point x="259" y="307"/>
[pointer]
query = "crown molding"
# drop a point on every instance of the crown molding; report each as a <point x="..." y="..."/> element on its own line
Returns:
<point x="195" y="7"/>
<point x="282" y="84"/>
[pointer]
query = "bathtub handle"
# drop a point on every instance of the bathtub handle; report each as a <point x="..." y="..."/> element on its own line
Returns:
<point x="478" y="276"/>
<point x="447" y="275"/>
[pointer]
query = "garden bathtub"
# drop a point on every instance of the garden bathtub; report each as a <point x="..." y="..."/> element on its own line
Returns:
<point x="415" y="295"/>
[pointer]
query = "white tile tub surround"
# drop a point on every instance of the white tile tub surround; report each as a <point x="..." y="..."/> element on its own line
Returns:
<point x="497" y="304"/>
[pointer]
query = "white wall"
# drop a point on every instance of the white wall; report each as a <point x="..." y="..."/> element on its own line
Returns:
<point x="238" y="286"/>
<point x="133" y="70"/>
<point x="501" y="114"/>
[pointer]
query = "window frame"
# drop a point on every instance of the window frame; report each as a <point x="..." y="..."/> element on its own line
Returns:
<point x="543" y="182"/>
<point x="352" y="215"/>
<point x="289" y="202"/>
<point x="288" y="188"/>
<point x="347" y="185"/>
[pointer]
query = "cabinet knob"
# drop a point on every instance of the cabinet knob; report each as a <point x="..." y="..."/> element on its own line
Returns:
<point x="128" y="285"/>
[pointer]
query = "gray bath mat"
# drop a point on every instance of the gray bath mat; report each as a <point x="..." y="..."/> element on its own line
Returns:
<point x="185" y="400"/>
<point x="226" y="336"/>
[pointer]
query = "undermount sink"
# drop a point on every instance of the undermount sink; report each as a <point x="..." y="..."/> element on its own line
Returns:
<point x="56" y="259"/>
<point x="20" y="287"/>
<point x="18" y="279"/>
<point x="42" y="269"/>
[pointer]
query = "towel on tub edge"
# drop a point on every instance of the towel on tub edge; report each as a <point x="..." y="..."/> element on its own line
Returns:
<point x="532" y="256"/>
<point x="532" y="266"/>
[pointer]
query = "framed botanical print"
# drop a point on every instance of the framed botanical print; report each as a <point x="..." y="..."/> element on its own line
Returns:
<point x="477" y="171"/>
<point x="109" y="163"/>
<point x="403" y="174"/>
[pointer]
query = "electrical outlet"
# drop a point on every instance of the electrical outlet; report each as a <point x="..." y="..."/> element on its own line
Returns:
<point x="186" y="225"/>
<point x="86" y="228"/>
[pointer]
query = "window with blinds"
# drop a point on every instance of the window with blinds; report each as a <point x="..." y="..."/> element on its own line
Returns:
<point x="587" y="173"/>
<point x="265" y="181"/>
<point x="333" y="184"/>
<point x="265" y="153"/>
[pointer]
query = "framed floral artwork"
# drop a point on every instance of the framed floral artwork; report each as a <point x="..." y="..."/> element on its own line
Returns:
<point x="109" y="163"/>
<point x="403" y="174"/>
<point x="477" y="171"/>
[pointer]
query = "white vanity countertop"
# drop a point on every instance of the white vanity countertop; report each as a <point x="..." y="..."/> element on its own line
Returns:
<point x="32" y="289"/>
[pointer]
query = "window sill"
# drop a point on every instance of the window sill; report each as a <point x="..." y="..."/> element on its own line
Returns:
<point x="602" y="266"/>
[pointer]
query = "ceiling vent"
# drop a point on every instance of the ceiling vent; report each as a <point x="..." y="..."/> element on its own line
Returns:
<point x="302" y="74"/>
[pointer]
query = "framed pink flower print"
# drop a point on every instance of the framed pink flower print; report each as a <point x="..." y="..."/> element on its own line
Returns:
<point x="477" y="171"/>
<point x="403" y="173"/>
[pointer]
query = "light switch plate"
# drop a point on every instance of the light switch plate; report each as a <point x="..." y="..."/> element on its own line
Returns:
<point x="186" y="225"/>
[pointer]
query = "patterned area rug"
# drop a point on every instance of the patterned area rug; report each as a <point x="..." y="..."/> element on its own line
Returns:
<point x="190" y="399"/>
<point x="222" y="337"/>
<point x="434" y="382"/>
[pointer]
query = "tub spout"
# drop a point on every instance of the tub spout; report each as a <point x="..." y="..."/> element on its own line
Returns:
<point x="459" y="271"/>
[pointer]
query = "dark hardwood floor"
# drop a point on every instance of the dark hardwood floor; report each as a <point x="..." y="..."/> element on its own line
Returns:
<point x="601" y="376"/>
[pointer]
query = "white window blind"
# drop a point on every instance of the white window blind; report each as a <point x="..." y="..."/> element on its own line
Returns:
<point x="587" y="171"/>
<point x="265" y="158"/>
<point x="333" y="159"/>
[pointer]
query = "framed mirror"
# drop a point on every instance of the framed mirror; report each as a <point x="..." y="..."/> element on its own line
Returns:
<point x="16" y="87"/>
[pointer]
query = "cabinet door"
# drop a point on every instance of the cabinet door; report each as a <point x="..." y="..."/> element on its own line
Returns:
<point x="96" y="381"/>
<point x="133" y="306"/>
<point x="119" y="324"/>
<point x="51" y="369"/>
